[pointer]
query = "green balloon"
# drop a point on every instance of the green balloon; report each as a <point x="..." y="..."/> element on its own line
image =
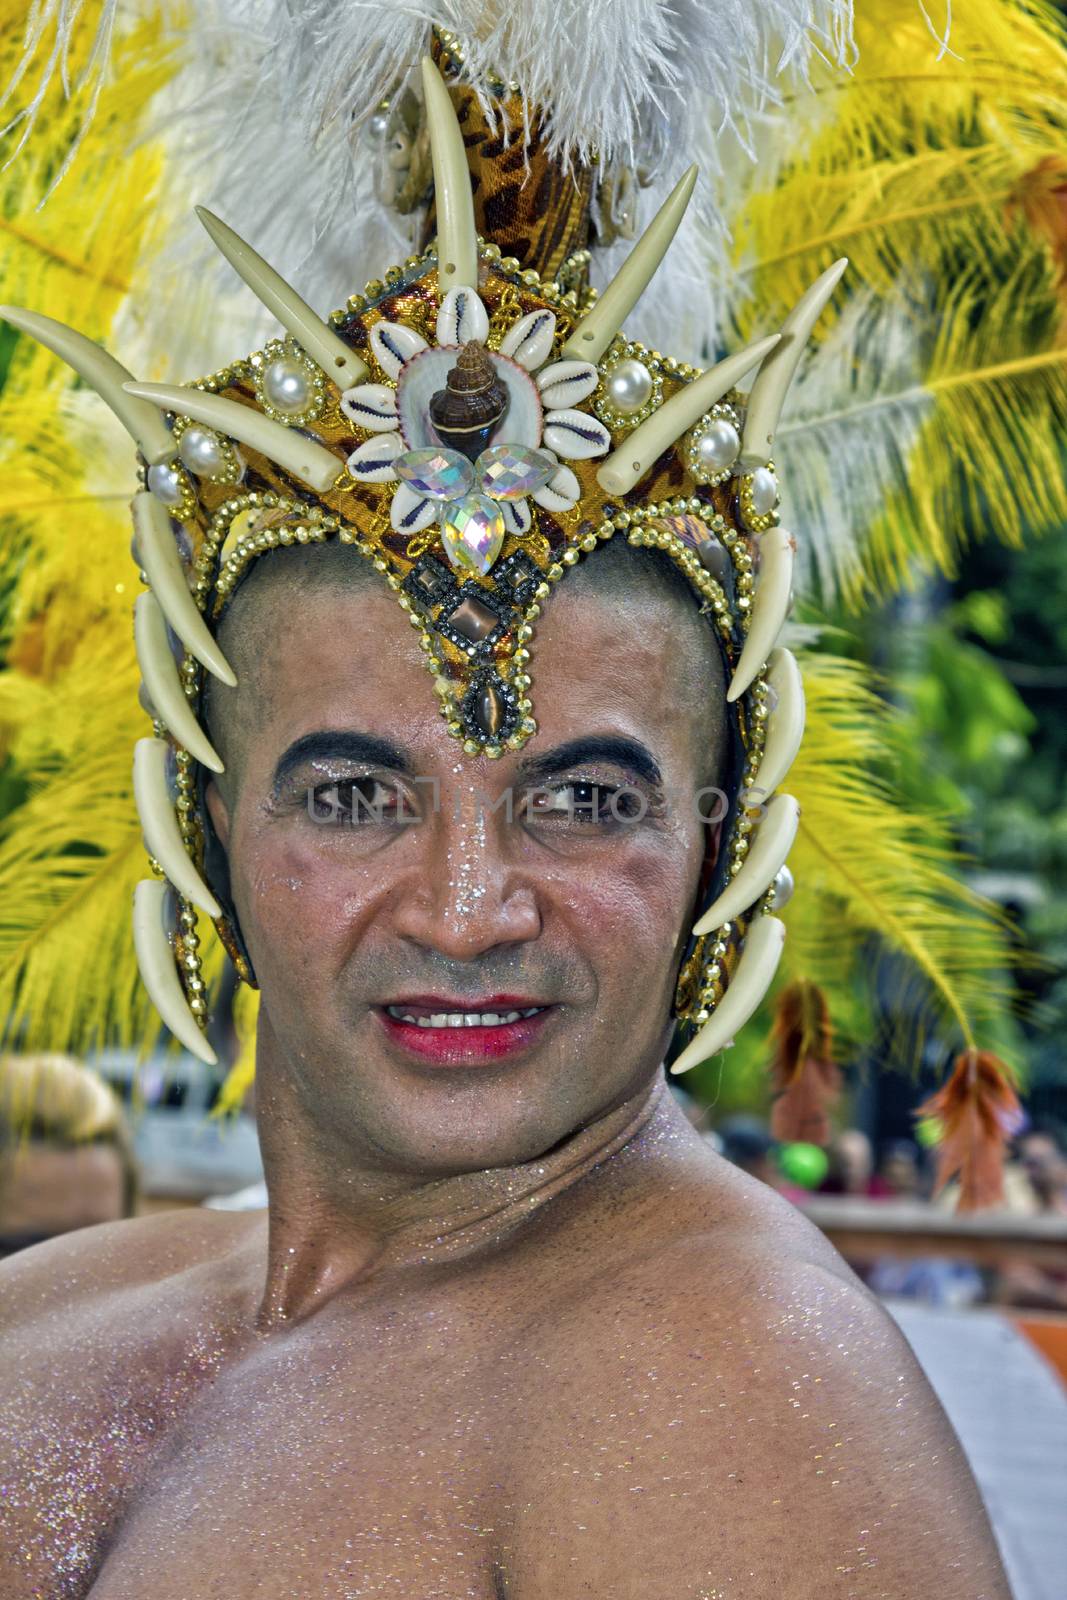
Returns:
<point x="803" y="1164"/>
<point x="928" y="1131"/>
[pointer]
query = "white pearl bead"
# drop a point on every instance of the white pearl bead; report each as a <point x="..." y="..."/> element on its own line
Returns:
<point x="287" y="386"/>
<point x="783" y="887"/>
<point x="764" y="491"/>
<point x="629" y="386"/>
<point x="165" y="483"/>
<point x="377" y="126"/>
<point x="718" y="445"/>
<point x="201" y="452"/>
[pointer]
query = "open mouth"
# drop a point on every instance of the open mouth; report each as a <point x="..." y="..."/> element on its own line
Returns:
<point x="445" y="1033"/>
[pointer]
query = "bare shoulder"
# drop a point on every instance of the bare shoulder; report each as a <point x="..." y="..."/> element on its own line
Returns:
<point x="106" y="1335"/>
<point x="80" y="1307"/>
<point x="734" y="1412"/>
<point x="88" y="1266"/>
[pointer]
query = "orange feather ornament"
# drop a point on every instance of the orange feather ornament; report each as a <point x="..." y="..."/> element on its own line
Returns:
<point x="979" y="1111"/>
<point x="804" y="1074"/>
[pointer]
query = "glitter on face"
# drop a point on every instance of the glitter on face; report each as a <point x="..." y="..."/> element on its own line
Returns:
<point x="467" y="863"/>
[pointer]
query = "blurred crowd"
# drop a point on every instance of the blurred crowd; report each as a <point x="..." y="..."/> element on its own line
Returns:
<point x="1035" y="1173"/>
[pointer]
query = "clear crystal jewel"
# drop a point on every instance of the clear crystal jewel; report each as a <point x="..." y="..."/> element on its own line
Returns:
<point x="511" y="471"/>
<point x="436" y="473"/>
<point x="472" y="532"/>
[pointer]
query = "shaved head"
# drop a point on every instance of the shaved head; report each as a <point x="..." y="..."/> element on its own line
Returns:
<point x="643" y="585"/>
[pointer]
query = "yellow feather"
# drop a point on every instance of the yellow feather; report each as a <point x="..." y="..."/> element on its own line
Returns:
<point x="938" y="179"/>
<point x="875" y="874"/>
<point x="71" y="851"/>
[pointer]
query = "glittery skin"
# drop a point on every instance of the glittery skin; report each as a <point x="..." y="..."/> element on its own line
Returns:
<point x="623" y="1369"/>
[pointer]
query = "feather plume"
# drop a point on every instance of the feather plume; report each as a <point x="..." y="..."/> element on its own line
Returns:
<point x="302" y="79"/>
<point x="70" y="848"/>
<point x="804" y="1076"/>
<point x="943" y="182"/>
<point x="54" y="43"/>
<point x="876" y="874"/>
<point x="978" y="1111"/>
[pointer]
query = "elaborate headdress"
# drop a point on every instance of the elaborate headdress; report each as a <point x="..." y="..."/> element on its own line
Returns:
<point x="474" y="425"/>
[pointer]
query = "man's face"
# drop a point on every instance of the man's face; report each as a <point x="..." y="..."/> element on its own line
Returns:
<point x="354" y="925"/>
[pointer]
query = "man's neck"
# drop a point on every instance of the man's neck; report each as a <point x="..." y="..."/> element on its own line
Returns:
<point x="320" y="1242"/>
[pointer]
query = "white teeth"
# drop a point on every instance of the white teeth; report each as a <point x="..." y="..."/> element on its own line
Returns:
<point x="462" y="1019"/>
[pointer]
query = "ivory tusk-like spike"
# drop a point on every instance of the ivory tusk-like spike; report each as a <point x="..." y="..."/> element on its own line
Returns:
<point x="104" y="374"/>
<point x="457" y="236"/>
<point x="768" y="393"/>
<point x="315" y="337"/>
<point x="155" y="958"/>
<point x="158" y="555"/>
<point x="752" y="978"/>
<point x="162" y="683"/>
<point x="312" y="463"/>
<point x="159" y="824"/>
<point x="769" y="607"/>
<point x="642" y="448"/>
<point x="785" y="722"/>
<point x="767" y="852"/>
<point x="595" y="332"/>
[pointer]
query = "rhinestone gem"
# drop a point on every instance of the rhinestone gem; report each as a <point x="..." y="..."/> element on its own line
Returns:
<point x="436" y="473"/>
<point x="472" y="532"/>
<point x="511" y="471"/>
<point x="764" y="492"/>
<point x="712" y="555"/>
<point x="489" y="709"/>
<point x="472" y="619"/>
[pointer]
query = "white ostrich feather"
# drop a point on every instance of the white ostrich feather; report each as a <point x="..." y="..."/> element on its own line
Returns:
<point x="270" y="112"/>
<point x="852" y="418"/>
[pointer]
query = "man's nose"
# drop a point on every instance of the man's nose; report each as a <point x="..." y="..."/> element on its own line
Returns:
<point x="470" y="891"/>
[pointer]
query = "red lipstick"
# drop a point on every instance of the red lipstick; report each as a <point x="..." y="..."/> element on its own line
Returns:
<point x="418" y="1025"/>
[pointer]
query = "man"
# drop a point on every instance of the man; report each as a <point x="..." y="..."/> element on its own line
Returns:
<point x="509" y="1327"/>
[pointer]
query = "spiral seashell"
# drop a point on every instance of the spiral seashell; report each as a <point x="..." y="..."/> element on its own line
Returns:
<point x="469" y="408"/>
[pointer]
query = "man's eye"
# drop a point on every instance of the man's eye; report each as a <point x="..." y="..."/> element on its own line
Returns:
<point x="587" y="801"/>
<point x="356" y="801"/>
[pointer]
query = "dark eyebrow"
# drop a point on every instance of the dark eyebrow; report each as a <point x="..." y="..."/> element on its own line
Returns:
<point x="613" y="747"/>
<point x="325" y="744"/>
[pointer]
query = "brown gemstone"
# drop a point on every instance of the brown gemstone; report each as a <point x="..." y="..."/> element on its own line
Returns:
<point x="489" y="712"/>
<point x="472" y="619"/>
